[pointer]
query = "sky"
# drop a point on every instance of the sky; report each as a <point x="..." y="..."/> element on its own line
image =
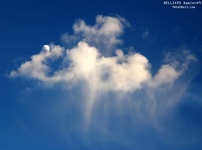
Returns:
<point x="100" y="75"/>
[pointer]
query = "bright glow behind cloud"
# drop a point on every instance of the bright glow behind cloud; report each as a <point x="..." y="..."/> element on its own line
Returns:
<point x="84" y="63"/>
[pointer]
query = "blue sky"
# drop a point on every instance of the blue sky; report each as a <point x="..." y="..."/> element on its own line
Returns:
<point x="118" y="75"/>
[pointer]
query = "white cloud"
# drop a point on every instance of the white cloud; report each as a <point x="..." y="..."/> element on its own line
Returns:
<point x="84" y="63"/>
<point x="105" y="32"/>
<point x="117" y="73"/>
<point x="166" y="74"/>
<point x="37" y="68"/>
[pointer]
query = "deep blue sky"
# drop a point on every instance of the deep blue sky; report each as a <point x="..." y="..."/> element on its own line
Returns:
<point x="32" y="117"/>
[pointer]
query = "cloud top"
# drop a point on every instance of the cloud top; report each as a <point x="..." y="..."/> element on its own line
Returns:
<point x="106" y="31"/>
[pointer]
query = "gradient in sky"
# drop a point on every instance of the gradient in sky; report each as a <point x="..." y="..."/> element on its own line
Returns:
<point x="100" y="75"/>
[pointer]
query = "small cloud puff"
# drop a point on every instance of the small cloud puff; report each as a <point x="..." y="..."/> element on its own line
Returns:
<point x="106" y="31"/>
<point x="145" y="34"/>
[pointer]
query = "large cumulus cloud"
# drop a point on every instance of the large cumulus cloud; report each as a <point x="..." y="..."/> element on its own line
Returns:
<point x="84" y="63"/>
